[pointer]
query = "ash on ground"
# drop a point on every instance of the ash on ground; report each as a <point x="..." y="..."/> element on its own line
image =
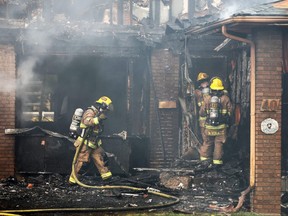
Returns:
<point x="199" y="189"/>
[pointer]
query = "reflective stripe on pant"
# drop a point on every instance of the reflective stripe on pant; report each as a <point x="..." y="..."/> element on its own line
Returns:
<point x="210" y="143"/>
<point x="217" y="162"/>
<point x="106" y="175"/>
<point x="203" y="158"/>
<point x="98" y="158"/>
<point x="91" y="143"/>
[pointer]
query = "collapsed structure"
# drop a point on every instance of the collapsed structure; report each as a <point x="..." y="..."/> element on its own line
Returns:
<point x="145" y="55"/>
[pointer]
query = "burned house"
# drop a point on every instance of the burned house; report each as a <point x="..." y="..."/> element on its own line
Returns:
<point x="57" y="56"/>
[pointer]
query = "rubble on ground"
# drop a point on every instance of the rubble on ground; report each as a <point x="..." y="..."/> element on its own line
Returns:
<point x="207" y="190"/>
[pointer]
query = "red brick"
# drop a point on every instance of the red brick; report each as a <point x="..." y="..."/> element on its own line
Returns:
<point x="268" y="147"/>
<point x="7" y="104"/>
<point x="165" y="73"/>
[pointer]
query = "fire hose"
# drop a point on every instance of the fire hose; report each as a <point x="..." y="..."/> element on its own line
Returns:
<point x="174" y="199"/>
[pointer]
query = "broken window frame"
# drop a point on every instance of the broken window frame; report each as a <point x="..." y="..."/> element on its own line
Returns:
<point x="35" y="96"/>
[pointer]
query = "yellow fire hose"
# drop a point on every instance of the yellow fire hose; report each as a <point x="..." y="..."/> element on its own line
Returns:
<point x="174" y="201"/>
<point x="8" y="214"/>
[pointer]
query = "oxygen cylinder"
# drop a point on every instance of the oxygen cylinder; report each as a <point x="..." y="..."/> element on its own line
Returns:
<point x="76" y="120"/>
<point x="214" y="110"/>
<point x="205" y="90"/>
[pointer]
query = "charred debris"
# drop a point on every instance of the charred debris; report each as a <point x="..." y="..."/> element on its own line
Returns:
<point x="204" y="190"/>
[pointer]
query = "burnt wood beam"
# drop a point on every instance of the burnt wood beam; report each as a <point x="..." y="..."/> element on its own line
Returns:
<point x="157" y="12"/>
<point x="120" y="12"/>
<point x="191" y="9"/>
<point x="170" y="10"/>
<point x="151" y="12"/>
<point x="131" y="12"/>
<point x="111" y="12"/>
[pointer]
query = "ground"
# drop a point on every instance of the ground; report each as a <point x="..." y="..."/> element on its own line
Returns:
<point x="211" y="190"/>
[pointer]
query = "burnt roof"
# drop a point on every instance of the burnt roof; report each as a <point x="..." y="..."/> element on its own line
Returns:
<point x="273" y="13"/>
<point x="279" y="8"/>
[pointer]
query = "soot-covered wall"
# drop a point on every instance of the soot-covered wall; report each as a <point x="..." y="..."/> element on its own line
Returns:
<point x="70" y="82"/>
<point x="77" y="82"/>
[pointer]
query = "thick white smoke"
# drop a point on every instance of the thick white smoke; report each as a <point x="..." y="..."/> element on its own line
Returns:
<point x="25" y="74"/>
<point x="233" y="6"/>
<point x="26" y="71"/>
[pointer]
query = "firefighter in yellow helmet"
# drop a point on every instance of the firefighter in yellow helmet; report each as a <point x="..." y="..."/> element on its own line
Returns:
<point x="201" y="92"/>
<point x="216" y="108"/>
<point x="91" y="127"/>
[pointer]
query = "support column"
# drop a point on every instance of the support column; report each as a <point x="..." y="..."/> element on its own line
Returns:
<point x="164" y="116"/>
<point x="7" y="110"/>
<point x="267" y="193"/>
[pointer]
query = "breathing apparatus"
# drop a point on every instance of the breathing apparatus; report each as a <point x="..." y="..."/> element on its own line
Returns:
<point x="74" y="129"/>
<point x="216" y="91"/>
<point x="214" y="111"/>
<point x="205" y="91"/>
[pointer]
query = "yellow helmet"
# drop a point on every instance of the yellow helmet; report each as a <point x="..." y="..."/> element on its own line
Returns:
<point x="216" y="84"/>
<point x="202" y="76"/>
<point x="105" y="102"/>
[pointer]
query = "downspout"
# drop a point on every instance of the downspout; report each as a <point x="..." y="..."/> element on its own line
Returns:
<point x="252" y="101"/>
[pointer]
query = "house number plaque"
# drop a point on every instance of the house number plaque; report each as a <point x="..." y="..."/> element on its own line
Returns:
<point x="269" y="105"/>
<point x="269" y="126"/>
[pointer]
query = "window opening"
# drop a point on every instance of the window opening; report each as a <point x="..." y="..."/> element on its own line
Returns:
<point x="36" y="98"/>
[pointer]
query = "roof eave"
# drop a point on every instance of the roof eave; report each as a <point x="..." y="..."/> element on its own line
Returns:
<point x="261" y="20"/>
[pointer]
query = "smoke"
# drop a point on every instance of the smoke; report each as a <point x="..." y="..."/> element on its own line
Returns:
<point x="25" y="75"/>
<point x="66" y="22"/>
<point x="26" y="71"/>
<point x="233" y="6"/>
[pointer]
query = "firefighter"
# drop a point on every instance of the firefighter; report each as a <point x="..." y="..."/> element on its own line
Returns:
<point x="216" y="108"/>
<point x="201" y="92"/>
<point x="91" y="127"/>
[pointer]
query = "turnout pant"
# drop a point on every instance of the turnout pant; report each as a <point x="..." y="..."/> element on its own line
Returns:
<point x="97" y="156"/>
<point x="212" y="147"/>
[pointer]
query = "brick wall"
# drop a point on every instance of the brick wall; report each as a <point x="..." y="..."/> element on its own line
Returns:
<point x="266" y="197"/>
<point x="165" y="75"/>
<point x="7" y="109"/>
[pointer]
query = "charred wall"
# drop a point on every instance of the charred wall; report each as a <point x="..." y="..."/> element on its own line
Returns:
<point x="79" y="80"/>
<point x="238" y="86"/>
<point x="138" y="96"/>
<point x="204" y="58"/>
<point x="71" y="82"/>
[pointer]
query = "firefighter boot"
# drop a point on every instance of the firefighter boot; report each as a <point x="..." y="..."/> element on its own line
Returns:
<point x="217" y="165"/>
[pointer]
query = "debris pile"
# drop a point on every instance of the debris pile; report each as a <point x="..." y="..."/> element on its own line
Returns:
<point x="207" y="190"/>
